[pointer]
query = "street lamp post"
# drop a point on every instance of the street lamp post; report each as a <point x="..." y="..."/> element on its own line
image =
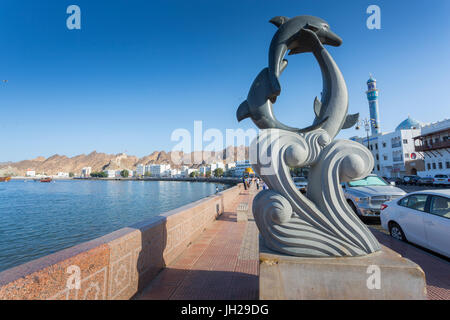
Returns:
<point x="366" y="122"/>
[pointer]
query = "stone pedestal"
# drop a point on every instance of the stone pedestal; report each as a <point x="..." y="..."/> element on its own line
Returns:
<point x="383" y="275"/>
<point x="242" y="212"/>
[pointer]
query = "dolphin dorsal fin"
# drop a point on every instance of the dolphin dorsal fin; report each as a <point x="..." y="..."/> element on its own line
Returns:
<point x="317" y="107"/>
<point x="278" y="21"/>
<point x="243" y="111"/>
<point x="350" y="120"/>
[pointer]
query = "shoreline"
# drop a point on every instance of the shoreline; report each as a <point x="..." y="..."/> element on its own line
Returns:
<point x="232" y="181"/>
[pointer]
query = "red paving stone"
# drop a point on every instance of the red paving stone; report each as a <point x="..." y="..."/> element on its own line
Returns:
<point x="223" y="264"/>
<point x="214" y="266"/>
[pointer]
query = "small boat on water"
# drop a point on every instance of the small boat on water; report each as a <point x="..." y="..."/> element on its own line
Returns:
<point x="47" y="179"/>
<point x="5" y="179"/>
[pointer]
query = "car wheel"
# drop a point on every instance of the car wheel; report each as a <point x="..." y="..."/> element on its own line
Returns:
<point x="396" y="231"/>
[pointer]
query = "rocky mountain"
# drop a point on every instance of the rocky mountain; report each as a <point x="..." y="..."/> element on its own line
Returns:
<point x="102" y="161"/>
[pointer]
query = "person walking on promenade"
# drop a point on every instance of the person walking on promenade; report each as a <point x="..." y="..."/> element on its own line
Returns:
<point x="244" y="182"/>
<point x="257" y="183"/>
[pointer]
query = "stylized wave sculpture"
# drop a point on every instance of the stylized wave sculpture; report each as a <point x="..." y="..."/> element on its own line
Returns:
<point x="320" y="224"/>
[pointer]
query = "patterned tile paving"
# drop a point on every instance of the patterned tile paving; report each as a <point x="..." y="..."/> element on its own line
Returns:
<point x="221" y="264"/>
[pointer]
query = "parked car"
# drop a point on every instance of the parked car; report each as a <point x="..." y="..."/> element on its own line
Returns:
<point x="410" y="179"/>
<point x="366" y="196"/>
<point x="394" y="180"/>
<point x="426" y="181"/>
<point x="421" y="217"/>
<point x="441" y="180"/>
<point x="301" y="183"/>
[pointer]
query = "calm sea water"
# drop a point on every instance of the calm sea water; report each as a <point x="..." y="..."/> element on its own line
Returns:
<point x="37" y="219"/>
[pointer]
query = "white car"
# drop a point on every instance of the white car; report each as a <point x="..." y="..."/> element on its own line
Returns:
<point x="422" y="218"/>
<point x="441" y="179"/>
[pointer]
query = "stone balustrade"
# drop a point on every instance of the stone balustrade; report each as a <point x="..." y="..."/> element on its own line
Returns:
<point x="119" y="264"/>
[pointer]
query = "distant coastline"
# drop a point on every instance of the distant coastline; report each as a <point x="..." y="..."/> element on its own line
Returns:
<point x="224" y="180"/>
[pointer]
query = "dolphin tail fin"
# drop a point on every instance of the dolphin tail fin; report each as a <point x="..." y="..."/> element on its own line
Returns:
<point x="278" y="21"/>
<point x="243" y="111"/>
<point x="350" y="121"/>
<point x="317" y="106"/>
<point x="313" y="127"/>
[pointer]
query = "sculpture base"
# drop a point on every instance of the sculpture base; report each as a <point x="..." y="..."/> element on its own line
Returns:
<point x="383" y="275"/>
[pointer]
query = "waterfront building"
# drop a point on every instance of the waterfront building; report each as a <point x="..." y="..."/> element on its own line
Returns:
<point x="140" y="170"/>
<point x="63" y="174"/>
<point x="214" y="166"/>
<point x="86" y="172"/>
<point x="203" y="170"/>
<point x="394" y="152"/>
<point x="30" y="173"/>
<point x="241" y="167"/>
<point x="230" y="166"/>
<point x="189" y="171"/>
<point x="433" y="144"/>
<point x="110" y="173"/>
<point x="174" y="173"/>
<point x="160" y="170"/>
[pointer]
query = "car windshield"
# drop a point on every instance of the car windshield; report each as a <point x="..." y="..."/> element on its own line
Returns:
<point x="368" y="182"/>
<point x="300" y="179"/>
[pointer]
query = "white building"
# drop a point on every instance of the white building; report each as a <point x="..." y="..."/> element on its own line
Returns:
<point x="63" y="174"/>
<point x="174" y="173"/>
<point x="203" y="170"/>
<point x="394" y="152"/>
<point x="240" y="168"/>
<point x="434" y="145"/>
<point x="189" y="171"/>
<point x="110" y="173"/>
<point x="86" y="172"/>
<point x="230" y="166"/>
<point x="160" y="170"/>
<point x="214" y="166"/>
<point x="140" y="170"/>
<point x="30" y="173"/>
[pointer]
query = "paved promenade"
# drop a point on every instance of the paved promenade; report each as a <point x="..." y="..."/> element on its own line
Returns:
<point x="223" y="264"/>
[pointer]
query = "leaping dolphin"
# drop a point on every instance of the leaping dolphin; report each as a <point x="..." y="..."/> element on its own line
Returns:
<point x="288" y="37"/>
<point x="331" y="112"/>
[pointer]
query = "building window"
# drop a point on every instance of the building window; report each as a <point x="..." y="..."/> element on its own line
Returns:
<point x="440" y="165"/>
<point x="371" y="147"/>
<point x="428" y="166"/>
<point x="434" y="166"/>
<point x="385" y="157"/>
<point x="378" y="157"/>
<point x="378" y="167"/>
<point x="406" y="155"/>
<point x="447" y="164"/>
<point x="376" y="146"/>
<point x="384" y="144"/>
<point x="405" y="141"/>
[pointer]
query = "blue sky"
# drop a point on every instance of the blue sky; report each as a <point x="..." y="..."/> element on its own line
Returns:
<point x="137" y="70"/>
